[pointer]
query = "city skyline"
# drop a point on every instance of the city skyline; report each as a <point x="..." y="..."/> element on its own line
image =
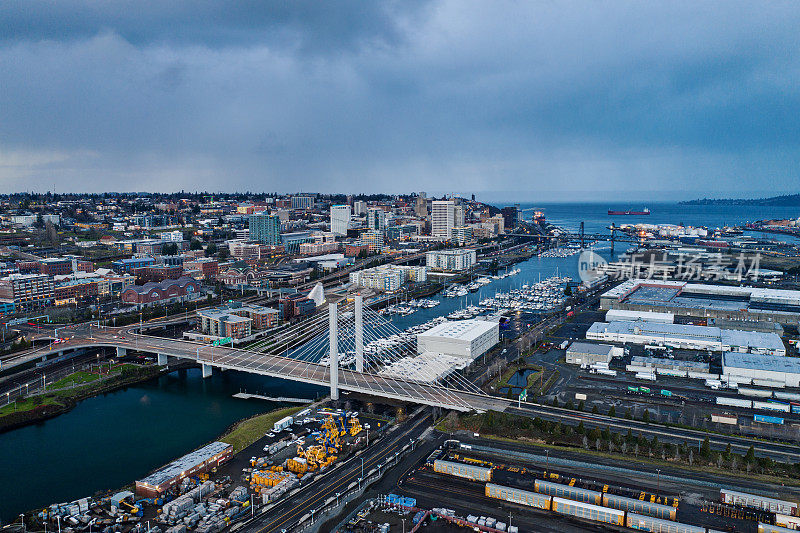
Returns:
<point x="550" y="100"/>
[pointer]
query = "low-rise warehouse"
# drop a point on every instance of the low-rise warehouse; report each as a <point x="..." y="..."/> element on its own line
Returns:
<point x="689" y="337"/>
<point x="465" y="338"/>
<point x="761" y="369"/>
<point x="193" y="463"/>
<point x="651" y="316"/>
<point x="586" y="353"/>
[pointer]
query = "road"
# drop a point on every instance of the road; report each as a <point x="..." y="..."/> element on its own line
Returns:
<point x="314" y="496"/>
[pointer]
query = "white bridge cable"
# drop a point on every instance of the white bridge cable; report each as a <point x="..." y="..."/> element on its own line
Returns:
<point x="422" y="387"/>
<point x="454" y="374"/>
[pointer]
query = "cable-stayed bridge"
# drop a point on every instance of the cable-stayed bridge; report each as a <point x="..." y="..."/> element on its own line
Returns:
<point x="350" y="348"/>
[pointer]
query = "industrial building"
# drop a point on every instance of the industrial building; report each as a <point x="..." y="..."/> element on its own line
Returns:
<point x="650" y="316"/>
<point x="427" y="367"/>
<point x="669" y="367"/>
<point x="688" y="337"/>
<point x="762" y="370"/>
<point x="191" y="464"/>
<point x="468" y="339"/>
<point x="705" y="300"/>
<point x="585" y="353"/>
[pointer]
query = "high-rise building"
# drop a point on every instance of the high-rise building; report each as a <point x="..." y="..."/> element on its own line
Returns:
<point x="442" y="218"/>
<point x="376" y="219"/>
<point x="340" y="219"/>
<point x="373" y="240"/>
<point x="510" y="216"/>
<point x="458" y="215"/>
<point x="302" y="202"/>
<point x="265" y="228"/>
<point x="359" y="208"/>
<point x="421" y="206"/>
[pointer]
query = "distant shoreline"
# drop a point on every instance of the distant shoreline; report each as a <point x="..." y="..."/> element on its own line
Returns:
<point x="787" y="200"/>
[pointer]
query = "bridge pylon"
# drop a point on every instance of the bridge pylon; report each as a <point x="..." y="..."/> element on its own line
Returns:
<point x="333" y="335"/>
<point x="359" y="333"/>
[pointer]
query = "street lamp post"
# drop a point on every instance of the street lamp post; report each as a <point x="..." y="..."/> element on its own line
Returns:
<point x="658" y="482"/>
<point x="362" y="469"/>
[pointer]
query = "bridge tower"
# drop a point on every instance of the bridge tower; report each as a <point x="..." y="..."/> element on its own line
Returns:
<point x="333" y="336"/>
<point x="359" y="333"/>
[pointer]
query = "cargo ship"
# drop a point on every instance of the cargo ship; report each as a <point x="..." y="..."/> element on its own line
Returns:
<point x="644" y="211"/>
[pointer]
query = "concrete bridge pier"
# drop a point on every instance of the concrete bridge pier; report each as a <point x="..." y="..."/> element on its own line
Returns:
<point x="207" y="370"/>
<point x="121" y="352"/>
<point x="162" y="359"/>
<point x="359" y="333"/>
<point x="333" y="335"/>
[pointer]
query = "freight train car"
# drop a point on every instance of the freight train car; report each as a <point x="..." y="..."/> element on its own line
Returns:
<point x="593" y="512"/>
<point x="657" y="525"/>
<point x="565" y="491"/>
<point x="759" y="502"/>
<point x="622" y="503"/>
<point x="767" y="528"/>
<point x="524" y="497"/>
<point x="473" y="472"/>
<point x="588" y="511"/>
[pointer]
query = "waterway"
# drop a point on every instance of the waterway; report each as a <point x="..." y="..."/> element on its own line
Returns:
<point x="110" y="440"/>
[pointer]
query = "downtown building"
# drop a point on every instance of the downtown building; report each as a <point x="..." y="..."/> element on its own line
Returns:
<point x="340" y="219"/>
<point x="457" y="260"/>
<point x="388" y="277"/>
<point x="265" y="228"/>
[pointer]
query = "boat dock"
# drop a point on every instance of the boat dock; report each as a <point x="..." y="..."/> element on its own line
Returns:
<point x="248" y="396"/>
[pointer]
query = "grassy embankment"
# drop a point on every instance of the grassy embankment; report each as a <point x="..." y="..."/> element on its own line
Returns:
<point x="621" y="447"/>
<point x="246" y="432"/>
<point x="64" y="394"/>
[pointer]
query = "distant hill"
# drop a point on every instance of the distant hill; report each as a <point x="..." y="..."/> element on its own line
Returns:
<point x="789" y="200"/>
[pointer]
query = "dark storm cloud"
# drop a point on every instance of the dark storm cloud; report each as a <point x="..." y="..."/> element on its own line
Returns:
<point x="319" y="26"/>
<point x="451" y="96"/>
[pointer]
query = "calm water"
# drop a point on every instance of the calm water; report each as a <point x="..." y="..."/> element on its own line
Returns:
<point x="597" y="219"/>
<point x="110" y="440"/>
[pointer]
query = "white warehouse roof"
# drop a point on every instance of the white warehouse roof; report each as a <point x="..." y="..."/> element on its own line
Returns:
<point x="624" y="314"/>
<point x="463" y="330"/>
<point x="767" y="363"/>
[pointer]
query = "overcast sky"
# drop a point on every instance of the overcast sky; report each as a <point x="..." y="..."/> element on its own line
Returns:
<point x="539" y="100"/>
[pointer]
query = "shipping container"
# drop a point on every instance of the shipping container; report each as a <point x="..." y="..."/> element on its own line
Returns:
<point x="725" y="419"/>
<point x="759" y="502"/>
<point x="588" y="511"/>
<point x="755" y="393"/>
<point x="622" y="503"/>
<point x="645" y="390"/>
<point x="565" y="491"/>
<point x="781" y="395"/>
<point x="795" y="407"/>
<point x="771" y="406"/>
<point x="735" y="402"/>
<point x="649" y="376"/>
<point x="282" y="424"/>
<point x="473" y="472"/>
<point x="657" y="525"/>
<point x="524" y="497"/>
<point x="767" y="419"/>
<point x="665" y="392"/>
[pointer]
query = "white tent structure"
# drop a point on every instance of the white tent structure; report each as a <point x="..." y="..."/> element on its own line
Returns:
<point x="317" y="294"/>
